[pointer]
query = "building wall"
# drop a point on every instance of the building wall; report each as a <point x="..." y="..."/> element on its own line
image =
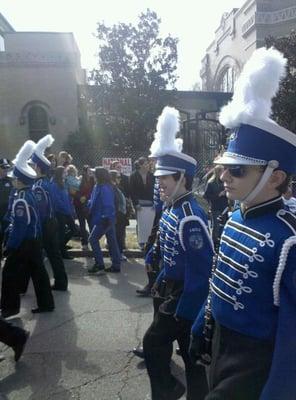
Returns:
<point x="38" y="69"/>
<point x="241" y="31"/>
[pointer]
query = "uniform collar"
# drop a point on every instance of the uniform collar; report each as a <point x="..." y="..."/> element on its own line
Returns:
<point x="271" y="205"/>
<point x="185" y="196"/>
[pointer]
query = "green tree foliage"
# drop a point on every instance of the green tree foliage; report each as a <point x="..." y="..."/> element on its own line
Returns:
<point x="284" y="105"/>
<point x="135" y="66"/>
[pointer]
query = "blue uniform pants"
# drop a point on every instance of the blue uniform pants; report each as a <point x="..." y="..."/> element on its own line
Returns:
<point x="96" y="233"/>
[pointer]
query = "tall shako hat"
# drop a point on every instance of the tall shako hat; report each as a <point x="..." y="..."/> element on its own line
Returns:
<point x="38" y="156"/>
<point x="22" y="169"/>
<point x="257" y="139"/>
<point x="167" y="149"/>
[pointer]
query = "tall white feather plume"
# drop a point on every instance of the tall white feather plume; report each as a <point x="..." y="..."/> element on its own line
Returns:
<point x="43" y="143"/>
<point x="165" y="136"/>
<point x="24" y="153"/>
<point x="255" y="88"/>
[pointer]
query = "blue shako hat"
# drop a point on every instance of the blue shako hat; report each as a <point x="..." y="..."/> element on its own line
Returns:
<point x="38" y="156"/>
<point x="22" y="169"/>
<point x="167" y="149"/>
<point x="256" y="139"/>
<point x="260" y="142"/>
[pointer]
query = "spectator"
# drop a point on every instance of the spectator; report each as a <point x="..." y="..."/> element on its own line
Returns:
<point x="64" y="159"/>
<point x="80" y="203"/>
<point x="289" y="200"/>
<point x="53" y="164"/>
<point x="215" y="195"/>
<point x="141" y="187"/>
<point x="72" y="182"/>
<point x="121" y="212"/>
<point x="64" y="210"/>
<point x="102" y="221"/>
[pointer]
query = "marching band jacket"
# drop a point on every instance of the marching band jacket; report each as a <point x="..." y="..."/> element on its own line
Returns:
<point x="42" y="192"/>
<point x="25" y="223"/>
<point x="101" y="204"/>
<point x="253" y="288"/>
<point x="186" y="251"/>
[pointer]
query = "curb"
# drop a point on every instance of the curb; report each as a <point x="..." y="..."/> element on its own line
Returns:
<point x="131" y="253"/>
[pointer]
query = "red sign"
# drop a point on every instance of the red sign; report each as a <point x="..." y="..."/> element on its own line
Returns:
<point x="126" y="164"/>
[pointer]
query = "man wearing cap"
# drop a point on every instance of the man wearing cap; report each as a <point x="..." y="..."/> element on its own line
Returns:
<point x="42" y="191"/>
<point x="23" y="247"/>
<point x="251" y="308"/>
<point x="186" y="254"/>
<point x="5" y="189"/>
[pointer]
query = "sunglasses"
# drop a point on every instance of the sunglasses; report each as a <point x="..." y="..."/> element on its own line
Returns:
<point x="236" y="171"/>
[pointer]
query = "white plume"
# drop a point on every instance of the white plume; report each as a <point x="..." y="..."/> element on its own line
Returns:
<point x="255" y="88"/>
<point x="165" y="136"/>
<point x="24" y="153"/>
<point x="43" y="143"/>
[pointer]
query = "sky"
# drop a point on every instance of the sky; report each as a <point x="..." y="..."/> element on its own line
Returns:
<point x="193" y="22"/>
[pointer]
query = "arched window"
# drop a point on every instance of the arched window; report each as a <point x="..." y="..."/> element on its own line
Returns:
<point x="38" y="122"/>
<point x="226" y="80"/>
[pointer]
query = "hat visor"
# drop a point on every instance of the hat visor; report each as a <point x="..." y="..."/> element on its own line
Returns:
<point x="11" y="175"/>
<point x="164" y="172"/>
<point x="5" y="166"/>
<point x="233" y="159"/>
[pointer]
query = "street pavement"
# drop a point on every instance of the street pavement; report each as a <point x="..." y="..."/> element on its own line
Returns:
<point x="82" y="350"/>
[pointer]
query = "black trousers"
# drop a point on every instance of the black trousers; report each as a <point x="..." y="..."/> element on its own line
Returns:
<point x="51" y="245"/>
<point x="9" y="334"/>
<point x="26" y="260"/>
<point x="67" y="229"/>
<point x="240" y="366"/>
<point x="158" y="348"/>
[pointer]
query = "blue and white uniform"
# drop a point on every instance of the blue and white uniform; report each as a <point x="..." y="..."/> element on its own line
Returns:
<point x="253" y="287"/>
<point x="186" y="251"/>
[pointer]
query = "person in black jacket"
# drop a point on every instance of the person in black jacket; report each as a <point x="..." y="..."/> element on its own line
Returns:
<point x="218" y="202"/>
<point x="142" y="186"/>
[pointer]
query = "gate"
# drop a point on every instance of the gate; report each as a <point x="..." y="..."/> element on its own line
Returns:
<point x="203" y="138"/>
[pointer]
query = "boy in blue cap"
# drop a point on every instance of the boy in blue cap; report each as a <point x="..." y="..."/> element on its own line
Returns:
<point x="186" y="253"/>
<point x="251" y="308"/>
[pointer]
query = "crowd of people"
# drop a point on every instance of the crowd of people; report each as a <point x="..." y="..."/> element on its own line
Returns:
<point x="225" y="294"/>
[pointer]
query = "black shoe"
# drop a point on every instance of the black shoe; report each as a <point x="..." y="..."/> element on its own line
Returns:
<point x="177" y="391"/>
<point x="59" y="288"/>
<point x="96" y="268"/>
<point x="112" y="269"/>
<point x="139" y="352"/>
<point x="39" y="310"/>
<point x="145" y="292"/>
<point x="9" y="313"/>
<point x="19" y="348"/>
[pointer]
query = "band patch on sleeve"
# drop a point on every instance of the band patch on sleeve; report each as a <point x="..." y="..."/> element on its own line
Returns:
<point x="196" y="241"/>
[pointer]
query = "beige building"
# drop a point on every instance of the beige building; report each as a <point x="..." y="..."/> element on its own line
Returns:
<point x="39" y="77"/>
<point x="241" y="31"/>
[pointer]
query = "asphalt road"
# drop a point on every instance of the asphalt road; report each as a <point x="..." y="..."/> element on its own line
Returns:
<point x="82" y="350"/>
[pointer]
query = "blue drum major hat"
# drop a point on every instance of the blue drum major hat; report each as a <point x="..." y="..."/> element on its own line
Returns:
<point x="38" y="156"/>
<point x="167" y="149"/>
<point x="22" y="170"/>
<point x="256" y="139"/>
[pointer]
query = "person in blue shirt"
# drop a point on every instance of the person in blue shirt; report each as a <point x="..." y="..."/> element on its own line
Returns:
<point x="64" y="210"/>
<point x="102" y="221"/>
<point x="186" y="251"/>
<point x="246" y="331"/>
<point x="43" y="192"/>
<point x="23" y="248"/>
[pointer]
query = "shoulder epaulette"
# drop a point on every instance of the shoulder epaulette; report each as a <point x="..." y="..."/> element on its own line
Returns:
<point x="288" y="218"/>
<point x="186" y="207"/>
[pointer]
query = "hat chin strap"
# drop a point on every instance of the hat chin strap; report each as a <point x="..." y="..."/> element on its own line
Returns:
<point x="172" y="196"/>
<point x="271" y="166"/>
